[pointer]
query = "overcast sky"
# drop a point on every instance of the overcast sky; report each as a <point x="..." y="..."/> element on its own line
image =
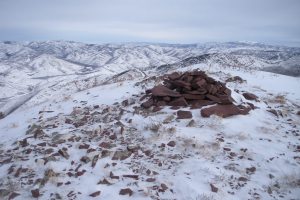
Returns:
<point x="167" y="21"/>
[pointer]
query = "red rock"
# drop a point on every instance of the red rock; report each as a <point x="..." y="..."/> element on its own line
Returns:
<point x="213" y="188"/>
<point x="150" y="179"/>
<point x="200" y="103"/>
<point x="171" y="143"/>
<point x="84" y="146"/>
<point x="224" y="111"/>
<point x="136" y="177"/>
<point x="35" y="193"/>
<point x="156" y="109"/>
<point x="161" y="103"/>
<point x="126" y="191"/>
<point x="166" y="98"/>
<point x="162" y="91"/>
<point x="95" y="194"/>
<point x="213" y="98"/>
<point x="182" y="84"/>
<point x="178" y="102"/>
<point x="193" y="96"/>
<point x="105" y="145"/>
<point x="249" y="96"/>
<point x="184" y="114"/>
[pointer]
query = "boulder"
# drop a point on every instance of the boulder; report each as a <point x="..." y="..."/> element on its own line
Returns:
<point x="225" y="110"/>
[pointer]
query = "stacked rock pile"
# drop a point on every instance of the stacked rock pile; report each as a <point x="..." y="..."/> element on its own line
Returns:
<point x="194" y="89"/>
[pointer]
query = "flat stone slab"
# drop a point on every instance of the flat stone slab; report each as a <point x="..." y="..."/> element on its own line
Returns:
<point x="225" y="110"/>
<point x="184" y="114"/>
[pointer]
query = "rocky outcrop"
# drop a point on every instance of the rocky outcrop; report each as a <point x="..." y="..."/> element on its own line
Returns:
<point x="194" y="89"/>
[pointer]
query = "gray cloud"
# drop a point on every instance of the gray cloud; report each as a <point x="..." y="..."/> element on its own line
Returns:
<point x="175" y="21"/>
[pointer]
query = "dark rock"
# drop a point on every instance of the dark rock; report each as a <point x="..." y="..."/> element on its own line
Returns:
<point x="64" y="153"/>
<point x="250" y="170"/>
<point x="126" y="191"/>
<point x="274" y="112"/>
<point x="85" y="159"/>
<point x="242" y="179"/>
<point x="178" y="102"/>
<point x="95" y="160"/>
<point x="224" y="111"/>
<point x="235" y="79"/>
<point x="213" y="188"/>
<point x="193" y="96"/>
<point x="95" y="194"/>
<point x="162" y="91"/>
<point x="250" y="96"/>
<point x="298" y="113"/>
<point x="35" y="193"/>
<point x="84" y="146"/>
<point x="150" y="179"/>
<point x="184" y="114"/>
<point x="136" y="177"/>
<point x="104" y="182"/>
<point x="156" y="109"/>
<point x="121" y="155"/>
<point x="171" y="143"/>
<point x="68" y="121"/>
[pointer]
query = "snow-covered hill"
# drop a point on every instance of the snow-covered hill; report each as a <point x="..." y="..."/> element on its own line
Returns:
<point x="73" y="127"/>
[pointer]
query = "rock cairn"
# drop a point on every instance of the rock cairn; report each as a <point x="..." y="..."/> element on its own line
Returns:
<point x="194" y="89"/>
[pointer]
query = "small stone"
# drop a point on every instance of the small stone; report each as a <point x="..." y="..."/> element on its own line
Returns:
<point x="150" y="179"/>
<point x="84" y="146"/>
<point x="184" y="114"/>
<point x="213" y="188"/>
<point x="121" y="155"/>
<point x="95" y="194"/>
<point x="63" y="153"/>
<point x="35" y="193"/>
<point x="104" y="182"/>
<point x="243" y="179"/>
<point x="105" y="145"/>
<point x="164" y="187"/>
<point x="171" y="143"/>
<point x="95" y="160"/>
<point x="249" y="96"/>
<point x="126" y="191"/>
<point x="85" y="159"/>
<point x="250" y="170"/>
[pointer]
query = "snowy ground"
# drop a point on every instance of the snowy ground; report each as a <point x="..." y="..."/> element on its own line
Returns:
<point x="93" y="140"/>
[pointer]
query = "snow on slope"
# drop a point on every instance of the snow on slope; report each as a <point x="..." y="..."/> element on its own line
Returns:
<point x="255" y="156"/>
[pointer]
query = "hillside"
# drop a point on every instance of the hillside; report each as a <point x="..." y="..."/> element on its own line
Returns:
<point x="75" y="124"/>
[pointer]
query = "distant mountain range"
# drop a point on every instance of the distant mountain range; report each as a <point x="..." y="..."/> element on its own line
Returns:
<point x="28" y="66"/>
